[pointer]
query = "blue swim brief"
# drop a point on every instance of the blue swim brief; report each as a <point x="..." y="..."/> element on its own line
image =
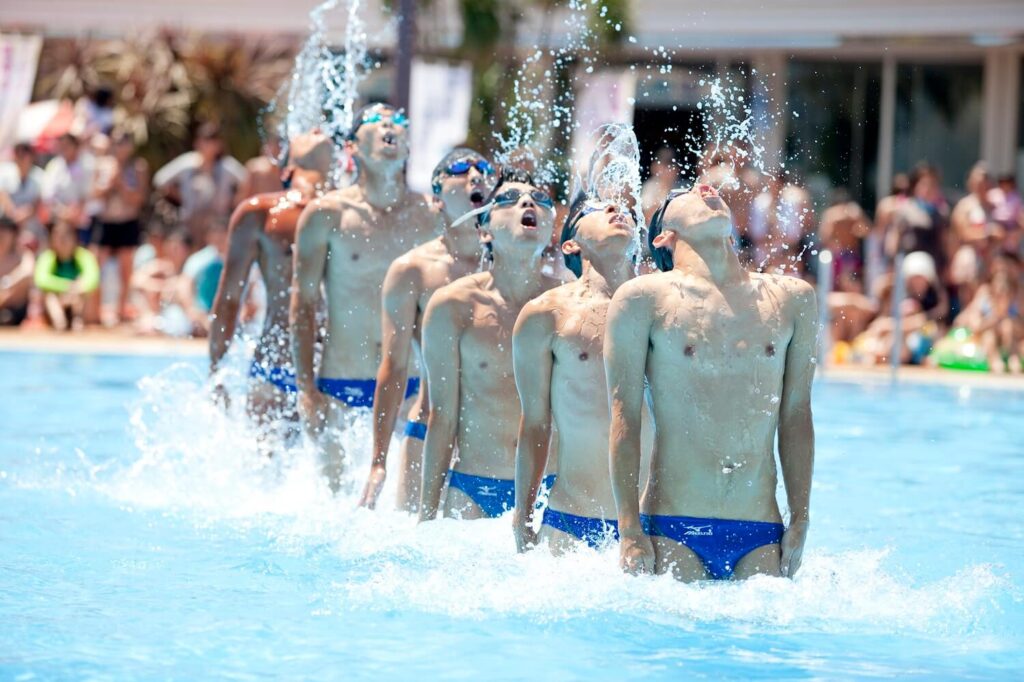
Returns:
<point x="281" y="377"/>
<point x="359" y="392"/>
<point x="718" y="543"/>
<point x="594" y="532"/>
<point x="494" y="496"/>
<point x="417" y="430"/>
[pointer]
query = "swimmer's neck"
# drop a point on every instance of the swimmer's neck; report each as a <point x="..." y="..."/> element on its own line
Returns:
<point x="712" y="259"/>
<point x="461" y="241"/>
<point x="605" y="275"/>
<point x="517" y="274"/>
<point x="381" y="187"/>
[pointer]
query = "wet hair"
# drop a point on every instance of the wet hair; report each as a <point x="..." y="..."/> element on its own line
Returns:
<point x="448" y="159"/>
<point x="573" y="261"/>
<point x="506" y="175"/>
<point x="357" y="120"/>
<point x="662" y="257"/>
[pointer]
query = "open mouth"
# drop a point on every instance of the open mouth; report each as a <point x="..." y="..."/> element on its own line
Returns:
<point x="707" y="192"/>
<point x="476" y="197"/>
<point x="389" y="139"/>
<point x="529" y="219"/>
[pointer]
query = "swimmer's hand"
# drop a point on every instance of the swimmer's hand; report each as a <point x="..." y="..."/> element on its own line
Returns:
<point x="374" y="484"/>
<point x="526" y="537"/>
<point x="793" y="547"/>
<point x="636" y="553"/>
<point x="313" y="407"/>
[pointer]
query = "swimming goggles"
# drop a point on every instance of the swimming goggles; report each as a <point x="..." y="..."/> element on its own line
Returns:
<point x="398" y="117"/>
<point x="512" y="196"/>
<point x="593" y="205"/>
<point x="462" y="167"/>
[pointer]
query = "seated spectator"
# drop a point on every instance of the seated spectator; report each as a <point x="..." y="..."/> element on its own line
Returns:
<point x="65" y="274"/>
<point x="1008" y="212"/>
<point x="923" y="312"/>
<point x="844" y="226"/>
<point x="155" y="280"/>
<point x="22" y="181"/>
<point x="199" y="279"/>
<point x="999" y="326"/>
<point x="16" y="271"/>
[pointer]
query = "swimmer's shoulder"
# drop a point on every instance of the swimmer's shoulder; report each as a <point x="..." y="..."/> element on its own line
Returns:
<point x="408" y="268"/>
<point x="791" y="290"/>
<point x="645" y="288"/>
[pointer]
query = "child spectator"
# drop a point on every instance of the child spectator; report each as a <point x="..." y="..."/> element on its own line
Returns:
<point x="65" y="274"/>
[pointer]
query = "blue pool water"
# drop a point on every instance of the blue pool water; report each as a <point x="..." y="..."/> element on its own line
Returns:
<point x="144" y="537"/>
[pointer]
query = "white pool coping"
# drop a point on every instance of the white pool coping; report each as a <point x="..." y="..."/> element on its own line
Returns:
<point x="116" y="342"/>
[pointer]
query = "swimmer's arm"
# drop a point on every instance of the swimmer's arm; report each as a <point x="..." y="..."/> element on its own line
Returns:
<point x="243" y="245"/>
<point x="796" y="426"/>
<point x="625" y="355"/>
<point x="532" y="362"/>
<point x="310" y="262"/>
<point x="442" y="329"/>
<point x="399" y="300"/>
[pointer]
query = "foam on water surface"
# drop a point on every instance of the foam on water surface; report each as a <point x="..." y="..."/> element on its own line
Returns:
<point x="197" y="462"/>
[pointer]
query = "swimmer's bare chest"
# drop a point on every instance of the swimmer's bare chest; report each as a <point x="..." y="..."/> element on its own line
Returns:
<point x="485" y="350"/>
<point x="578" y="384"/>
<point x="715" y="365"/>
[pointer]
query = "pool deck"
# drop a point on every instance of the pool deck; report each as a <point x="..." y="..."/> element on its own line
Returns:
<point x="99" y="341"/>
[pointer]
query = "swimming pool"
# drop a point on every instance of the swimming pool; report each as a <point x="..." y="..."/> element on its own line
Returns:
<point x="142" y="536"/>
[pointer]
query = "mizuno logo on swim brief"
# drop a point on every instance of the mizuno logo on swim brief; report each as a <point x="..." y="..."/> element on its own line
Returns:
<point x="698" y="530"/>
<point x="487" y="491"/>
<point x="353" y="392"/>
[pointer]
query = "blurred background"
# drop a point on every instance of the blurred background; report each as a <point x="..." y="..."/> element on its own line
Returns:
<point x="880" y="108"/>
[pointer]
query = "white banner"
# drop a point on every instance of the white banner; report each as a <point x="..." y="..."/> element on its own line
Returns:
<point x="439" y="100"/>
<point x="19" y="56"/>
<point x="602" y="97"/>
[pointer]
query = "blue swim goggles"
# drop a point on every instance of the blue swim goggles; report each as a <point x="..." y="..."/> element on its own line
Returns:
<point x="512" y="196"/>
<point x="462" y="167"/>
<point x="398" y="117"/>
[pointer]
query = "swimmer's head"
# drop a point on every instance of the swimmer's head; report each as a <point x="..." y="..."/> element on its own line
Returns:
<point x="379" y="135"/>
<point x="63" y="239"/>
<point x="310" y="157"/>
<point x="694" y="215"/>
<point x="462" y="181"/>
<point x="595" y="226"/>
<point x="518" y="211"/>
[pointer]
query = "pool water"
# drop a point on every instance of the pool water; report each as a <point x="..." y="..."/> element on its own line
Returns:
<point x="143" y="536"/>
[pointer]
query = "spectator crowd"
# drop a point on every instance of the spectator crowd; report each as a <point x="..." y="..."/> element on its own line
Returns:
<point x="90" y="236"/>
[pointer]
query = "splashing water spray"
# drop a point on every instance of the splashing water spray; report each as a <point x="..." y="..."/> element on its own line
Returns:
<point x="324" y="86"/>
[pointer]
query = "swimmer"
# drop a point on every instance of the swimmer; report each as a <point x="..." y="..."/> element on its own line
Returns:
<point x="467" y="350"/>
<point x="460" y="183"/>
<point x="262" y="230"/>
<point x="729" y="358"/>
<point x="346" y="240"/>
<point x="559" y="370"/>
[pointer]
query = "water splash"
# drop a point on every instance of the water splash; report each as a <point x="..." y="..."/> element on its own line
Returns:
<point x="613" y="175"/>
<point x="213" y="475"/>
<point x="323" y="88"/>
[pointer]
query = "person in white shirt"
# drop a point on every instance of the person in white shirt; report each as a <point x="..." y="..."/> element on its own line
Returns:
<point x="67" y="186"/>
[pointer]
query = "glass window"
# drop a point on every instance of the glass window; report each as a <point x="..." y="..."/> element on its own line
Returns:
<point x="832" y="128"/>
<point x="938" y="119"/>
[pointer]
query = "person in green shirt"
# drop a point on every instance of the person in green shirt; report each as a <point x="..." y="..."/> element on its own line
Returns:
<point x="65" y="273"/>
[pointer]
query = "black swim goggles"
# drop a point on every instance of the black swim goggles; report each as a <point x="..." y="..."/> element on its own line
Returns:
<point x="512" y="196"/>
<point x="462" y="167"/>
